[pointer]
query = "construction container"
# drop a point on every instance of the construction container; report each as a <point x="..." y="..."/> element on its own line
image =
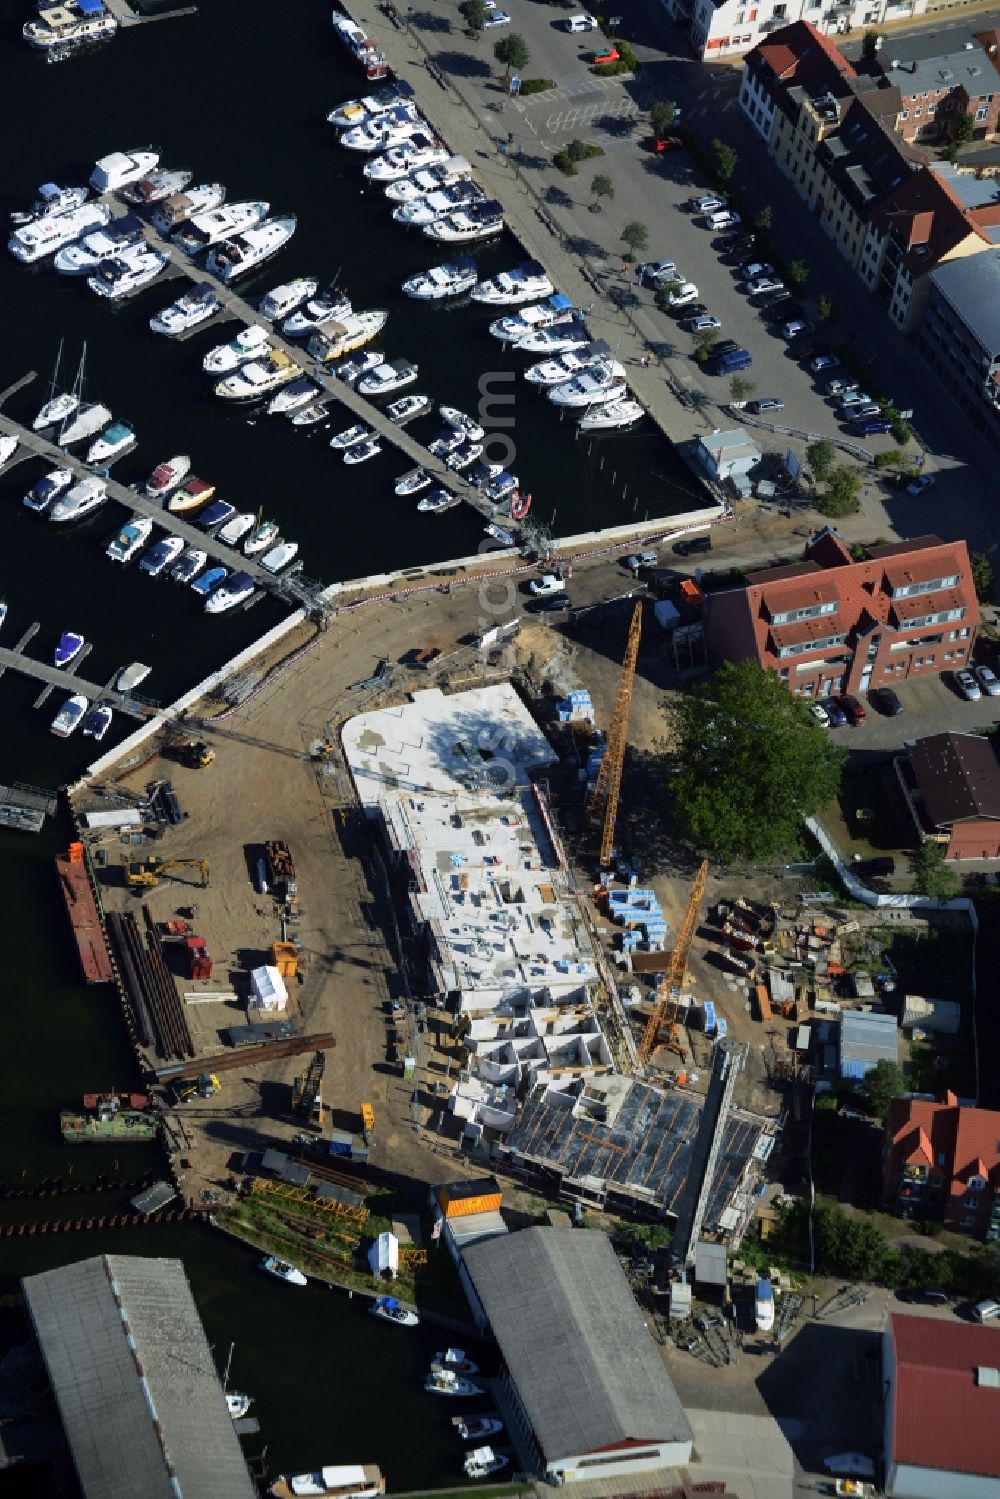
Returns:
<point x="340" y="1142"/>
<point x="285" y="958"/>
<point x="199" y="961"/>
<point x="478" y="1195"/>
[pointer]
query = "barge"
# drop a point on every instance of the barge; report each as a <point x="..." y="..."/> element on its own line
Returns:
<point x="84" y="917"/>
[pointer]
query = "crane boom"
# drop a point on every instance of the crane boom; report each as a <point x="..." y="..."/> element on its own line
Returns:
<point x="666" y="996"/>
<point x="602" y="805"/>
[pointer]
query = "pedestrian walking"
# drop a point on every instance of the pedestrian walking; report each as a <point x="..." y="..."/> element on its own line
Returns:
<point x="644" y="361"/>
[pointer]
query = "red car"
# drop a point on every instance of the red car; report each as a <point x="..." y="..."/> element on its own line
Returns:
<point x="855" y="712"/>
<point x="602" y="55"/>
<point x="666" y="143"/>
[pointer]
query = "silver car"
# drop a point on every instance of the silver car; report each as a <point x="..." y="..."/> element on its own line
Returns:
<point x="967" y="686"/>
<point x="988" y="680"/>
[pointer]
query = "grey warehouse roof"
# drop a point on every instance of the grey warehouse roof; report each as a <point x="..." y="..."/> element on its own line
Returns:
<point x="586" y="1369"/>
<point x="868" y="1037"/>
<point x="133" y="1376"/>
<point x="971" y="286"/>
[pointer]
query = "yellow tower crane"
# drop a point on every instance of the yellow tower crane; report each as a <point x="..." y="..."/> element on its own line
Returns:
<point x="602" y="804"/>
<point x="664" y="1012"/>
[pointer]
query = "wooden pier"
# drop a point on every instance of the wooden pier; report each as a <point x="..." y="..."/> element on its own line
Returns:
<point x="14" y="659"/>
<point x="126" y="16"/>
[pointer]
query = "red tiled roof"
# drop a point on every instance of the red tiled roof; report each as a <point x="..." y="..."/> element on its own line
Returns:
<point x="942" y="1417"/>
<point x="942" y="563"/>
<point x="796" y="52"/>
<point x="928" y="217"/>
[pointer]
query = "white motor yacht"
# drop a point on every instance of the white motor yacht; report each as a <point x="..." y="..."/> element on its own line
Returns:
<point x="85" y="496"/>
<point x="97" y="721"/>
<point x="342" y="337"/>
<point x="555" y="340"/>
<point x="166" y="476"/>
<point x="517" y="325"/>
<point x="408" y="408"/>
<point x="453" y="279"/>
<point x="429" y="180"/>
<point x="155" y="186"/>
<point x="565" y="366"/>
<point x="447" y="1382"/>
<point x="435" y="206"/>
<point x="51" y="199"/>
<point x="365" y="54"/>
<point x="161" y="554"/>
<point x="362" y="451"/>
<point x="85" y="255"/>
<point x="354" y="1481"/>
<point x="317" y="311"/>
<point x="445" y="442"/>
<point x="604" y="381"/>
<point x="127" y="273"/>
<point x="459" y="422"/>
<point x="8" y="447"/>
<point x="466" y="225"/>
<point x="255" y="380"/>
<point x="292" y="397"/>
<point x="58" y="31"/>
<point x="48" y="234"/>
<point x="387" y="378"/>
<point x="611" y="416"/>
<point x="123" y="546"/>
<point x="396" y="125"/>
<point x="438" y="499"/>
<point x="120" y="167"/>
<point x="87" y="421"/>
<point x="196" y="306"/>
<point x="233" y="532"/>
<point x="238" y="588"/>
<point x="527" y="282"/>
<point x="351" y="370"/>
<point x="45" y="490"/>
<point x="171" y="212"/>
<point x="350" y="437"/>
<point x="216" y="225"/>
<point x="284" y="299"/>
<point x="356" y="111"/>
<point x="70" y="715"/>
<point x="278" y="558"/>
<point x="309" y="415"/>
<point x="191" y="495"/>
<point x="130" y="676"/>
<point x="263" y="536"/>
<point x="464" y="456"/>
<point x="249" y="343"/>
<point x="483" y="1461"/>
<point x="474" y="1428"/>
<point x="412" y="482"/>
<point x="188" y="565"/>
<point x="421" y="150"/>
<point x="244" y="253"/>
<point x="112" y="443"/>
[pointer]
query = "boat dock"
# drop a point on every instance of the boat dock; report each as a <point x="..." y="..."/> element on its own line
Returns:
<point x="26" y="807"/>
<point x="14" y="659"/>
<point x="69" y="670"/>
<point x="126" y="16"/>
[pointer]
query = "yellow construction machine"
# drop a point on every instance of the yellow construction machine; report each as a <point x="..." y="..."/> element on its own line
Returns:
<point x="147" y="874"/>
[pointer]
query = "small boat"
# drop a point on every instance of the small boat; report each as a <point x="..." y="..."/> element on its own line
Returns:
<point x="355" y="1481"/>
<point x="548" y="314"/>
<point x="519" y="506"/>
<point x="445" y="442"/>
<point x="483" y="1461"/>
<point x="429" y="180"/>
<point x="97" y="722"/>
<point x="351" y="370"/>
<point x="204" y="584"/>
<point x="464" y="456"/>
<point x="122" y="167"/>
<point x="350" y="436"/>
<point x="123" y="547"/>
<point x="85" y="255"/>
<point x="612" y="416"/>
<point x="292" y="397"/>
<point x="56" y="410"/>
<point x="113" y="441"/>
<point x="70" y="715"/>
<point x="454" y="1358"/>
<point x="365" y="54"/>
<point x="473" y="1428"/>
<point x="396" y="125"/>
<point x="283" y="1271"/>
<point x="189" y="311"/>
<point x="412" y="482"/>
<point x="45" y="490"/>
<point x="233" y="532"/>
<point x="408" y="408"/>
<point x="160" y="555"/>
<point x="188" y="565"/>
<point x="130" y="676"/>
<point x="421" y="150"/>
<point x="500" y="533"/>
<point x="52" y="199"/>
<point x="155" y="186"/>
<point x="355" y="111"/>
<point x="243" y="253"/>
<point x="84" y="497"/>
<point x="527" y="282"/>
<point x="466" y="225"/>
<point x="170" y="213"/>
<point x="279" y="556"/>
<point x="453" y="279"/>
<point x="310" y="415"/>
<point x="216" y="514"/>
<point x="253" y="381"/>
<point x="555" y="340"/>
<point x="238" y="1405"/>
<point x="284" y="299"/>
<point x="237" y="589"/>
<point x="447" y="1382"/>
<point x="565" y="366"/>
<point x="361" y="453"/>
<point x="459" y="422"/>
<point x="391" y="1310"/>
<point x="342" y="336"/>
<point x="127" y="273"/>
<point x="434" y="206"/>
<point x="87" y="421"/>
<point x="601" y="383"/>
<point x="248" y="344"/>
<point x="69" y="647"/>
<point x="46" y="235"/>
<point x="190" y="495"/>
<point x="329" y="304"/>
<point x="387" y="377"/>
<point x="263" y="535"/>
<point x="498" y="486"/>
<point x="763" y="1305"/>
<point x="167" y="476"/>
<point x="8" y="447"/>
<point x="438" y="499"/>
<point x="215" y="225"/>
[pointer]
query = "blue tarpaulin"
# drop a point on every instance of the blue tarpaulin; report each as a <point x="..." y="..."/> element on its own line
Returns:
<point x="90" y="7"/>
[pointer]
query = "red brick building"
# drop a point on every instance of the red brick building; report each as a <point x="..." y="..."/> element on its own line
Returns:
<point x="942" y="1160"/>
<point x="951" y="784"/>
<point x="831" y="624"/>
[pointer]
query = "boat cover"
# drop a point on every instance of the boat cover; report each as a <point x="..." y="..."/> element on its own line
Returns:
<point x="90" y="7"/>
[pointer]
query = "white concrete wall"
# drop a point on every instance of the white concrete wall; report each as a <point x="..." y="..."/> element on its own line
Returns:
<point x="632" y="1460"/>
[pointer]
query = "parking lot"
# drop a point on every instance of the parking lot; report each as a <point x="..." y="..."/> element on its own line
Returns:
<point x="930" y="706"/>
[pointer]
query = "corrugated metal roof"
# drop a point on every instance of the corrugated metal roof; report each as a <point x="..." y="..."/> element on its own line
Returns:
<point x="135" y="1382"/>
<point x="866" y="1038"/>
<point x="585" y="1367"/>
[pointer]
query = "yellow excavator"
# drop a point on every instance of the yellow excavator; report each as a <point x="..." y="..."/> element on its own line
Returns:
<point x="148" y="874"/>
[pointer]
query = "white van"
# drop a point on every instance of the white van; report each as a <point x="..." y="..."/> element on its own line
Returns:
<point x="723" y="218"/>
<point x="547" y="583"/>
<point x="985" y="1311"/>
<point x="580" y="23"/>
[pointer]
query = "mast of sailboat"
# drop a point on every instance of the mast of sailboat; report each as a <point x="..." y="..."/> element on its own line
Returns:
<point x="229" y="1364"/>
<point x="78" y="392"/>
<point x="54" y="382"/>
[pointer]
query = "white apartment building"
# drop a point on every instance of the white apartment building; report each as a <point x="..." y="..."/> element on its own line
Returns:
<point x="734" y="26"/>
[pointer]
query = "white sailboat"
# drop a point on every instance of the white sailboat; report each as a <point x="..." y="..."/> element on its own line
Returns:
<point x="60" y="404"/>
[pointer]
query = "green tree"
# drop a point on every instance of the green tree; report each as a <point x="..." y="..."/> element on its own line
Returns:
<point x="982" y="576"/>
<point x="577" y="150"/>
<point x="827" y="308"/>
<point x="704" y="343"/>
<point x="763" y="218"/>
<point x="849" y="1246"/>
<point x="822" y="458"/>
<point x="751" y="763"/>
<point x="740" y="389"/>
<point x="722" y="161"/>
<point x="797" y="275"/>
<point x="869" y="45"/>
<point x="601" y="187"/>
<point x="841" y="494"/>
<point x="961" y="134"/>
<point x="880" y="1086"/>
<point x="666" y="291"/>
<point x="662" y="116"/>
<point x="636" y="236"/>
<point x="931" y="874"/>
<point x="475" y="13"/>
<point x="513" y="52"/>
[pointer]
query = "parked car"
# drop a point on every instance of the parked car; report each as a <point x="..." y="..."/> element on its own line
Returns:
<point x="555" y="603"/>
<point x="730" y="362"/>
<point x="856" y="714"/>
<point x="752" y="266"/>
<point x="986" y="1311"/>
<point x="685" y="294"/>
<point x="708" y="204"/>
<point x="581" y="22"/>
<point x="988" y="680"/>
<point x="705" y="322"/>
<point x="682" y="311"/>
<point x="692" y="546"/>
<point x="496" y="18"/>
<point x="723" y="218"/>
<point x="885" y="701"/>
<point x="966" y="685"/>
<point x="920" y="484"/>
<point x="869" y="410"/>
<point x="767" y="403"/>
<point x="835" y="713"/>
<point x="872" y="426"/>
<point x="601" y="56"/>
<point x="740" y="244"/>
<point x="795" y="328"/>
<point x="659" y="270"/>
<point x="840" y="385"/>
<point x="925" y="1296"/>
<point x="725" y="346"/>
<point x="823" y="362"/>
<point x="820" y="714"/>
<point x="547" y="583"/>
<point x="854" y="397"/>
<point x="662" y="143"/>
<point x="635" y="560"/>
